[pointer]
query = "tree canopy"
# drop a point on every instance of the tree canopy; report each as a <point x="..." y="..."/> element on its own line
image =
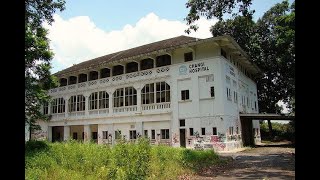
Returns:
<point x="38" y="56"/>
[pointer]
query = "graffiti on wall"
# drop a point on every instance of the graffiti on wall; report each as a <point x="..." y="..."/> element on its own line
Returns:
<point x="39" y="135"/>
<point x="175" y="138"/>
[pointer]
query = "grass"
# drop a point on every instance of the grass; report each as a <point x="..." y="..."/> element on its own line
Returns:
<point x="140" y="160"/>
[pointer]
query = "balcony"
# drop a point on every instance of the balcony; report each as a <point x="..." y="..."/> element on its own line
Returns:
<point x="119" y="111"/>
<point x="115" y="80"/>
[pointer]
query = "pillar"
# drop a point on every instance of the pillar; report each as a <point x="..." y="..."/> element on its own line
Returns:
<point x="110" y="92"/>
<point x="49" y="133"/>
<point x="86" y="105"/>
<point x="66" y="99"/>
<point x="66" y="133"/>
<point x="138" y="99"/>
<point x="87" y="133"/>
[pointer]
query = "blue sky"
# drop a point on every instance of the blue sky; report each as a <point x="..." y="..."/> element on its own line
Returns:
<point x="91" y="28"/>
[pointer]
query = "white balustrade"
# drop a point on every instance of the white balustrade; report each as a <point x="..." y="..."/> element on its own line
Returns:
<point x="124" y="109"/>
<point x="147" y="107"/>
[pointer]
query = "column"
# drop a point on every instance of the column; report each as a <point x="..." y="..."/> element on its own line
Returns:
<point x="110" y="92"/>
<point x="66" y="99"/>
<point x="86" y="104"/>
<point x="138" y="99"/>
<point x="49" y="133"/>
<point x="87" y="133"/>
<point x="66" y="133"/>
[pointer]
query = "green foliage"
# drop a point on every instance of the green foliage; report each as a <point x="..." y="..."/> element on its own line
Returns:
<point x="281" y="131"/>
<point x="216" y="8"/>
<point x="126" y="160"/>
<point x="37" y="58"/>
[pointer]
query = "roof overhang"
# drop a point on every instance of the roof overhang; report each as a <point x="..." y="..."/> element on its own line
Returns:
<point x="262" y="116"/>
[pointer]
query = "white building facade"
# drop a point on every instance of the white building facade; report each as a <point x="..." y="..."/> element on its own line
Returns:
<point x="183" y="92"/>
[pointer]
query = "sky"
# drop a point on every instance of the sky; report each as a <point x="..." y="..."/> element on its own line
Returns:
<point x="87" y="29"/>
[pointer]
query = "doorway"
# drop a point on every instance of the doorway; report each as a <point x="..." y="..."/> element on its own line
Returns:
<point x="182" y="138"/>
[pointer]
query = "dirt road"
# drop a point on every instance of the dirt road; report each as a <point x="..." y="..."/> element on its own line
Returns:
<point x="272" y="162"/>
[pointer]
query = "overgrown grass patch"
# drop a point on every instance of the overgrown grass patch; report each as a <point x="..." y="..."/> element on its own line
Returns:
<point x="140" y="160"/>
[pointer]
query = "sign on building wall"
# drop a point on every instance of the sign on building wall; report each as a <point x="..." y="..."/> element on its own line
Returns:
<point x="193" y="68"/>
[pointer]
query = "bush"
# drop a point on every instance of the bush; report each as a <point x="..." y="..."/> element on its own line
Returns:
<point x="126" y="160"/>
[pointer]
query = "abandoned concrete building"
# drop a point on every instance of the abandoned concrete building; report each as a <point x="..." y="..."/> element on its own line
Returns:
<point x="183" y="92"/>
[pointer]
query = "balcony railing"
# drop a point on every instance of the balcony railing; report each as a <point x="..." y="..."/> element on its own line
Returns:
<point x="145" y="74"/>
<point x="124" y="109"/>
<point x="146" y="107"/>
<point x="98" y="112"/>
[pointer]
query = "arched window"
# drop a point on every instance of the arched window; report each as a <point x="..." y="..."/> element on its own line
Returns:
<point x="117" y="70"/>
<point x="162" y="92"/>
<point x="163" y="60"/>
<point x="58" y="106"/>
<point x="104" y="73"/>
<point x="72" y="80"/>
<point x="83" y="78"/>
<point x="93" y="101"/>
<point x="127" y="95"/>
<point x="99" y="100"/>
<point x="131" y="67"/>
<point x="155" y="92"/>
<point x="146" y="64"/>
<point x="147" y="94"/>
<point x="77" y="103"/>
<point x="130" y="96"/>
<point x="63" y="82"/>
<point x="93" y="75"/>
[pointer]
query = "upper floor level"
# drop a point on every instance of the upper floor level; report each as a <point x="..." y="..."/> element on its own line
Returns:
<point x="152" y="60"/>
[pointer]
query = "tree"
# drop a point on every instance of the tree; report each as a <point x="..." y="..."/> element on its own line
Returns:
<point x="270" y="42"/>
<point x="37" y="58"/>
<point x="215" y="8"/>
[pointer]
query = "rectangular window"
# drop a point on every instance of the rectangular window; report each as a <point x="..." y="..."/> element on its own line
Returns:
<point x="153" y="134"/>
<point x="235" y="97"/>
<point x="146" y="133"/>
<point x="133" y="134"/>
<point x="191" y="131"/>
<point x="184" y="94"/>
<point x="212" y="91"/>
<point x="75" y="136"/>
<point x="182" y="122"/>
<point x="104" y="134"/>
<point x="117" y="134"/>
<point x="237" y="130"/>
<point x="203" y="131"/>
<point x="164" y="133"/>
<point x="223" y="53"/>
<point x="214" y="131"/>
<point x="229" y="94"/>
<point x="230" y="130"/>
<point x="188" y="56"/>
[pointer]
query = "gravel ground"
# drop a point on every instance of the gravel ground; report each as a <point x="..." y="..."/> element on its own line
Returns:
<point x="275" y="161"/>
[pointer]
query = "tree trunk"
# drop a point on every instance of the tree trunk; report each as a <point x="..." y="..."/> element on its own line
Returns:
<point x="270" y="129"/>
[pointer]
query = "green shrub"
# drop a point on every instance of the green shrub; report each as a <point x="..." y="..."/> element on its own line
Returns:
<point x="126" y="160"/>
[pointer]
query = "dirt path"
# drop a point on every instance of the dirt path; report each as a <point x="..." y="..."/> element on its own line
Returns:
<point x="272" y="162"/>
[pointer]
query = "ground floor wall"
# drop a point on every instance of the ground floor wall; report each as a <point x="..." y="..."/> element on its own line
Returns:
<point x="221" y="133"/>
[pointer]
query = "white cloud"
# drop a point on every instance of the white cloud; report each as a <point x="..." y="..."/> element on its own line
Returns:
<point x="78" y="39"/>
